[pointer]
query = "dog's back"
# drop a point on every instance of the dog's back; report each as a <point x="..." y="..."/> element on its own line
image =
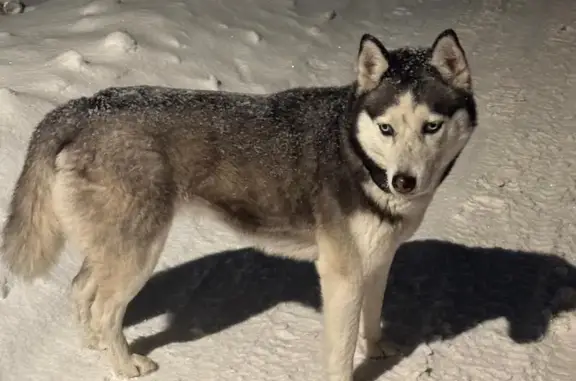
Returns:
<point x="255" y="157"/>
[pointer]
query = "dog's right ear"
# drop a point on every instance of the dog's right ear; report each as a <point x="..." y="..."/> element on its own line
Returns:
<point x="372" y="63"/>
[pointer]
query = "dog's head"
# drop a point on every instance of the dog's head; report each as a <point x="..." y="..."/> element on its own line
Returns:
<point x="415" y="111"/>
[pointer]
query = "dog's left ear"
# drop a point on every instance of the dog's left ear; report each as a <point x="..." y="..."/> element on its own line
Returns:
<point x="449" y="59"/>
<point x="372" y="63"/>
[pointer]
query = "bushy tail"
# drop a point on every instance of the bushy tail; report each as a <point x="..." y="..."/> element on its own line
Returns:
<point x="32" y="238"/>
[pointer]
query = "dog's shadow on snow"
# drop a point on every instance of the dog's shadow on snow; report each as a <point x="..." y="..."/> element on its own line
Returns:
<point x="437" y="290"/>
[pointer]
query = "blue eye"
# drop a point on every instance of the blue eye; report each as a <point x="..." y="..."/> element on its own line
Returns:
<point x="432" y="127"/>
<point x="386" y="129"/>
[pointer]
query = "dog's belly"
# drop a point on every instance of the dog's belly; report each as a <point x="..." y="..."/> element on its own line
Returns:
<point x="274" y="233"/>
<point x="285" y="246"/>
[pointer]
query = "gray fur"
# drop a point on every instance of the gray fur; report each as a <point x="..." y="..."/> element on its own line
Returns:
<point x="108" y="172"/>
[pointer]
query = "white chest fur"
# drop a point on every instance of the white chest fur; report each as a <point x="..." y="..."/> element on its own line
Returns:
<point x="378" y="239"/>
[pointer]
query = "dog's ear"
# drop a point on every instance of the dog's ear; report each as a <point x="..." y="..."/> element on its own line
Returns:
<point x="372" y="63"/>
<point x="449" y="59"/>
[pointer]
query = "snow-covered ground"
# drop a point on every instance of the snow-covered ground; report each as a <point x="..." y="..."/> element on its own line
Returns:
<point x="484" y="291"/>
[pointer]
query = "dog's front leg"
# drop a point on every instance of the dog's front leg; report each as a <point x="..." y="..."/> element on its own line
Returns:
<point x="340" y="269"/>
<point x="375" y="281"/>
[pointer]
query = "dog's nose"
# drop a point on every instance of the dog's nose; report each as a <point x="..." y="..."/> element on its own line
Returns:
<point x="403" y="183"/>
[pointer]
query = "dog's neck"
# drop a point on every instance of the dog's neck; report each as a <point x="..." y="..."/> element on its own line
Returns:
<point x="378" y="174"/>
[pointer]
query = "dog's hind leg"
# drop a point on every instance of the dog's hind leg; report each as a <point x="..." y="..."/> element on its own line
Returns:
<point x="120" y="219"/>
<point x="119" y="280"/>
<point x="114" y="271"/>
<point x="84" y="288"/>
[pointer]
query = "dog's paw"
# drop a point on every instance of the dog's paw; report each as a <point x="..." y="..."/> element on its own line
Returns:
<point x="375" y="350"/>
<point x="137" y="366"/>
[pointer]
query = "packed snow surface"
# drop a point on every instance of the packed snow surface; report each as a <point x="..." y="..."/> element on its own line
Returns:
<point x="483" y="292"/>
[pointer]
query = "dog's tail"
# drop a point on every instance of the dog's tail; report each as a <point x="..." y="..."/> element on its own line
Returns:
<point x="32" y="237"/>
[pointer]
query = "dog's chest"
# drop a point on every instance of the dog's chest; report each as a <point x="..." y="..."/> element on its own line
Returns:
<point x="374" y="235"/>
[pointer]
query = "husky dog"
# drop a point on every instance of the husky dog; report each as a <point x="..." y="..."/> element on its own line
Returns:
<point x="337" y="175"/>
